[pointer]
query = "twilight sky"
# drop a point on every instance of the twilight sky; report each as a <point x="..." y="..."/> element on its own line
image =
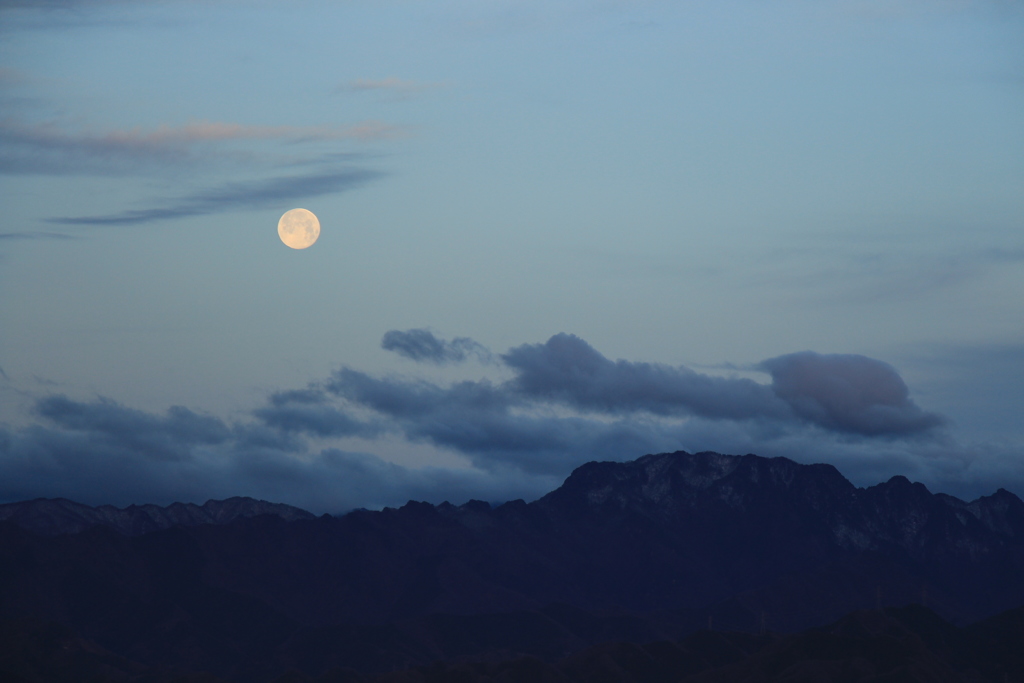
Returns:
<point x="552" y="232"/>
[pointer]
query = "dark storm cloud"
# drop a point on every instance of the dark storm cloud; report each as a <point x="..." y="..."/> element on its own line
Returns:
<point x="421" y="345"/>
<point x="616" y="407"/>
<point x="568" y="370"/>
<point x="565" y="404"/>
<point x="494" y="426"/>
<point x="848" y="393"/>
<point x="101" y="452"/>
<point x="401" y="398"/>
<point x="843" y="393"/>
<point x="307" y="411"/>
<point x="167" y="437"/>
<point x="266" y="193"/>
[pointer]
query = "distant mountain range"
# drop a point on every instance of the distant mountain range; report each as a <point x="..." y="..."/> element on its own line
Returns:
<point x="55" y="516"/>
<point x="635" y="552"/>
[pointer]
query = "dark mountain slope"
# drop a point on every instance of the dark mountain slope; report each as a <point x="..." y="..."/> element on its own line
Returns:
<point x="909" y="644"/>
<point x="53" y="516"/>
<point x="639" y="551"/>
<point x="725" y="525"/>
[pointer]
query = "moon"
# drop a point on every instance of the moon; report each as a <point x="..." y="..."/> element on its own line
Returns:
<point x="298" y="228"/>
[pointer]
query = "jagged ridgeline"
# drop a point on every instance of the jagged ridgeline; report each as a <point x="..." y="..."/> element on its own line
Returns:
<point x="648" y="550"/>
<point x="53" y="516"/>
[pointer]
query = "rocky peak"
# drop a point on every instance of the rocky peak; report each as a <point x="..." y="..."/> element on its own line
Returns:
<point x="681" y="480"/>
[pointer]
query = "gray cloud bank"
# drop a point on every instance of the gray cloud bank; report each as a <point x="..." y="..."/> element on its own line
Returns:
<point x="564" y="404"/>
<point x="845" y="393"/>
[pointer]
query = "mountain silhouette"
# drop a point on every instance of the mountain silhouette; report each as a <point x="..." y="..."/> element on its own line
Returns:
<point x="54" y="516"/>
<point x="630" y="552"/>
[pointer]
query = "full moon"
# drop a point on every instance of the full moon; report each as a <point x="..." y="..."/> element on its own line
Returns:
<point x="298" y="228"/>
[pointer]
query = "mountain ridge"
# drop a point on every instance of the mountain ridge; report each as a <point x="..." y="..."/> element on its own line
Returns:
<point x="1001" y="512"/>
<point x="649" y="549"/>
<point x="51" y="516"/>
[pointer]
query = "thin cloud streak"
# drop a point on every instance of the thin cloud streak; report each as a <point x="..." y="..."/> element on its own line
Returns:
<point x="391" y="85"/>
<point x="234" y="196"/>
<point x="46" y="149"/>
<point x="859" y="278"/>
<point x="13" y="236"/>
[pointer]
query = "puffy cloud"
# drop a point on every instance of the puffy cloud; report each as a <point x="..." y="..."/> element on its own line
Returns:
<point x="565" y="404"/>
<point x="615" y="408"/>
<point x="495" y="427"/>
<point x="101" y="452"/>
<point x="568" y="370"/>
<point x="848" y="393"/>
<point x="122" y="428"/>
<point x="845" y="393"/>
<point x="422" y="345"/>
<point x="307" y="411"/>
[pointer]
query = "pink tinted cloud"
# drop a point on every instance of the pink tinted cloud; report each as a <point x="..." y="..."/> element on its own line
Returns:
<point x="51" y="148"/>
<point x="170" y="137"/>
<point x="395" y="86"/>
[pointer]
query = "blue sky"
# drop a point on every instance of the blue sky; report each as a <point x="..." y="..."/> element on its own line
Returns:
<point x="704" y="190"/>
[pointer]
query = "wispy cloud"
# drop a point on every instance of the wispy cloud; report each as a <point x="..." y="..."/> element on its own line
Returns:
<point x="40" y="4"/>
<point x="46" y="148"/>
<point x="392" y="86"/>
<point x="173" y="151"/>
<point x="207" y="131"/>
<point x="867" y="277"/>
<point x="35" y="236"/>
<point x="261" y="193"/>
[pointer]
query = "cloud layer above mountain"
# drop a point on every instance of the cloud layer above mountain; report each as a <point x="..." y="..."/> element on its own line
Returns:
<point x="560" y="403"/>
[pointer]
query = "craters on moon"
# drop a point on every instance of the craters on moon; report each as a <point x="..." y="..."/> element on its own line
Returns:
<point x="298" y="228"/>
